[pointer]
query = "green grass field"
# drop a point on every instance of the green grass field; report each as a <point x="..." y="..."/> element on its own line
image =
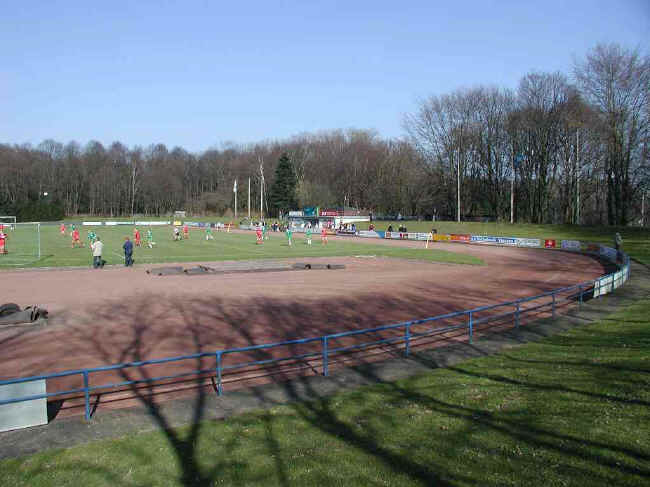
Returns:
<point x="56" y="250"/>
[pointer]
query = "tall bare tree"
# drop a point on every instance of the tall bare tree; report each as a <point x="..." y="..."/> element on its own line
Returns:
<point x="616" y="82"/>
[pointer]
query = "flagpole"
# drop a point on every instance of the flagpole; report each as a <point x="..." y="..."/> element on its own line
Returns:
<point x="234" y="190"/>
<point x="249" y="198"/>
<point x="261" y="190"/>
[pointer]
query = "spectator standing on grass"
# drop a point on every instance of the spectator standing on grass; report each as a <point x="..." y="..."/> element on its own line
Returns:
<point x="97" y="248"/>
<point x="618" y="241"/>
<point x="308" y="235"/>
<point x="128" y="252"/>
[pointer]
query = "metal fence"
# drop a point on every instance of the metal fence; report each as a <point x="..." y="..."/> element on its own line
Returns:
<point x="324" y="349"/>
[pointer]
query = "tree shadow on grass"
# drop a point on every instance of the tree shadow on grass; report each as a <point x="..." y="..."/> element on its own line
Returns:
<point x="145" y="328"/>
<point x="208" y="320"/>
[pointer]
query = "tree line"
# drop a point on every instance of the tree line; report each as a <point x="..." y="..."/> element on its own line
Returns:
<point x="573" y="147"/>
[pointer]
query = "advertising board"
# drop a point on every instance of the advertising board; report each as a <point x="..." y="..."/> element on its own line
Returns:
<point x="441" y="237"/>
<point x="490" y="240"/>
<point x="571" y="245"/>
<point x="459" y="237"/>
<point x="549" y="243"/>
<point x="152" y="223"/>
<point x="328" y="212"/>
<point x="608" y="253"/>
<point x="368" y="234"/>
<point x="619" y="279"/>
<point x="529" y="242"/>
<point x="296" y="213"/>
<point x="590" y="247"/>
<point x="407" y="236"/>
<point x="603" y="286"/>
<point x="92" y="224"/>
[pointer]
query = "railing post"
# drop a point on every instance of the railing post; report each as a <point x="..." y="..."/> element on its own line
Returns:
<point x="471" y="327"/>
<point x="517" y="316"/>
<point x="86" y="395"/>
<point x="580" y="296"/>
<point x="219" y="386"/>
<point x="553" y="306"/>
<point x="407" y="337"/>
<point x="325" y="364"/>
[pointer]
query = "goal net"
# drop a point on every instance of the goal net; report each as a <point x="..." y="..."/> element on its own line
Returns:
<point x="22" y="243"/>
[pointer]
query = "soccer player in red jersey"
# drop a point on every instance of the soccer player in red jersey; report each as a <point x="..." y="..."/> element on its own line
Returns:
<point x="3" y="240"/>
<point x="76" y="239"/>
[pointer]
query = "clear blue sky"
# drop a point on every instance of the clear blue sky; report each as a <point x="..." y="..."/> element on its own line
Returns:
<point x="197" y="74"/>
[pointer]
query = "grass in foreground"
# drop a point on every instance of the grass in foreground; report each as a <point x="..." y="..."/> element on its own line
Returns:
<point x="56" y="250"/>
<point x="573" y="409"/>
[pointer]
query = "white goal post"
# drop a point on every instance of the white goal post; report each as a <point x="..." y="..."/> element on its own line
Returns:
<point x="8" y="221"/>
<point x="23" y="243"/>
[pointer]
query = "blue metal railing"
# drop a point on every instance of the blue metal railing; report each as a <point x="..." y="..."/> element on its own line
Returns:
<point x="467" y="319"/>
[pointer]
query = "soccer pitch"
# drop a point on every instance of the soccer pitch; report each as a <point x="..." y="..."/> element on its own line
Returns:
<point x="56" y="249"/>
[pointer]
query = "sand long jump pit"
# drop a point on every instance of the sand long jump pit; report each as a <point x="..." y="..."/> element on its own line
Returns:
<point x="118" y="315"/>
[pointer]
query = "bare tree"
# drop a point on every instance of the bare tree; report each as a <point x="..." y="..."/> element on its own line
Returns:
<point x="616" y="82"/>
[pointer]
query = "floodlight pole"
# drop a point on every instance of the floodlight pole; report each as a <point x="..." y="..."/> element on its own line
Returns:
<point x="512" y="194"/>
<point x="249" y="198"/>
<point x="261" y="188"/>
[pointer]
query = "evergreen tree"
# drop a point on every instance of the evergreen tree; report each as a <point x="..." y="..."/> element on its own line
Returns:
<point x="283" y="192"/>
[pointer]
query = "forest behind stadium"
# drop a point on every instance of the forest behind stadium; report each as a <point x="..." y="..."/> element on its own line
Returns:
<point x="579" y="141"/>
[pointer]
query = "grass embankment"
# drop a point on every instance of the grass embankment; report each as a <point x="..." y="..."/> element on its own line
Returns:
<point x="56" y="249"/>
<point x="570" y="410"/>
<point x="636" y="240"/>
